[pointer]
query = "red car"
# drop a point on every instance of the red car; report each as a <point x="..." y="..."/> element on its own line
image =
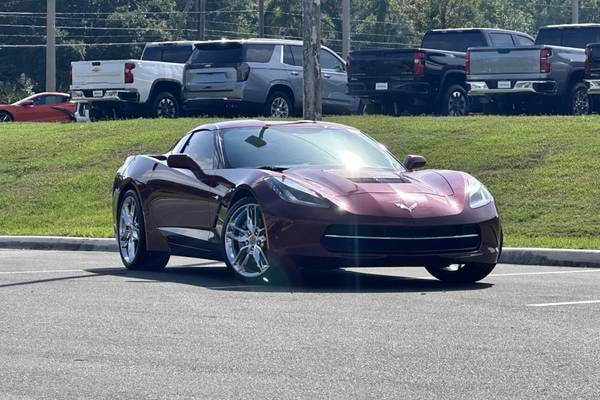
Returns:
<point x="41" y="107"/>
<point x="270" y="197"/>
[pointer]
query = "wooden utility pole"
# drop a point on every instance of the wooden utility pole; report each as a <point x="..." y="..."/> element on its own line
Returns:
<point x="261" y="18"/>
<point x="345" y="28"/>
<point x="311" y="21"/>
<point x="575" y="11"/>
<point x="201" y="18"/>
<point x="50" y="45"/>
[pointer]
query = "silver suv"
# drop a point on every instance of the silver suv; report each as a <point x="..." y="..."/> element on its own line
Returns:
<point x="260" y="75"/>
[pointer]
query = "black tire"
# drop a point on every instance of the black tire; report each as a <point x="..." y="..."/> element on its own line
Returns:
<point x="276" y="273"/>
<point x="140" y="259"/>
<point x="454" y="102"/>
<point x="279" y="105"/>
<point x="578" y="101"/>
<point x="373" y="108"/>
<point x="5" y="116"/>
<point x="165" y="105"/>
<point x="460" y="273"/>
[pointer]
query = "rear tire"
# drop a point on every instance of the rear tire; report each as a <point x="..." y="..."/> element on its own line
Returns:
<point x="578" y="102"/>
<point x="131" y="237"/>
<point x="5" y="116"/>
<point x="164" y="105"/>
<point x="455" y="102"/>
<point x="278" y="105"/>
<point x="460" y="273"/>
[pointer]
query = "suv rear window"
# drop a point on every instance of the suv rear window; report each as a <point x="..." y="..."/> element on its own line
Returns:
<point x="569" y="37"/>
<point x="232" y="53"/>
<point x="453" y="40"/>
<point x="168" y="53"/>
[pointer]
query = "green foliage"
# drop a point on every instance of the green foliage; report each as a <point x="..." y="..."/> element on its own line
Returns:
<point x="56" y="178"/>
<point x="13" y="91"/>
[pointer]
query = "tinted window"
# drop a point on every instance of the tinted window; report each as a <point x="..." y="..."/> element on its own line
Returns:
<point x="523" y="40"/>
<point x="501" y="40"/>
<point x="202" y="149"/>
<point x="548" y="36"/>
<point x="151" y="53"/>
<point x="329" y="61"/>
<point x="50" y="99"/>
<point x="453" y="41"/>
<point x="218" y="53"/>
<point x="313" y="146"/>
<point x="580" y="37"/>
<point x="176" y="54"/>
<point x="288" y="57"/>
<point x="260" y="53"/>
<point x="294" y="56"/>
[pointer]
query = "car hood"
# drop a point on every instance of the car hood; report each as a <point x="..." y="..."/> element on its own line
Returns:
<point x="422" y="194"/>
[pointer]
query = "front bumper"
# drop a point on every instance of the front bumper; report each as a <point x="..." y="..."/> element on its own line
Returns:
<point x="593" y="86"/>
<point x="484" y="88"/>
<point x="119" y="95"/>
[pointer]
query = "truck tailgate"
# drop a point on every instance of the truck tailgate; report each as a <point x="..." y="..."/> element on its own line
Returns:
<point x="518" y="60"/>
<point x="98" y="73"/>
<point x="396" y="63"/>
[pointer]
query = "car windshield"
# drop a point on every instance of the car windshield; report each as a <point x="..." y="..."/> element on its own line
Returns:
<point x="300" y="145"/>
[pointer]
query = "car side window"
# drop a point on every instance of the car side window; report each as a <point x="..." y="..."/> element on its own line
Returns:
<point x="329" y="61"/>
<point x="501" y="40"/>
<point x="297" y="55"/>
<point x="523" y="40"/>
<point x="39" y="101"/>
<point x="176" y="54"/>
<point x="201" y="148"/>
<point x="259" y="53"/>
<point x="288" y="57"/>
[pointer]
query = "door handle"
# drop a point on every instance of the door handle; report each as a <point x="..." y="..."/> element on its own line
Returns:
<point x="295" y="73"/>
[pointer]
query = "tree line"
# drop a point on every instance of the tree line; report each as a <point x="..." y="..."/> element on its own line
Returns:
<point x="116" y="29"/>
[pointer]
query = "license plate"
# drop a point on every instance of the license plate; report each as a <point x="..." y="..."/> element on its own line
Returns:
<point x="381" y="86"/>
<point x="504" y="85"/>
<point x="97" y="93"/>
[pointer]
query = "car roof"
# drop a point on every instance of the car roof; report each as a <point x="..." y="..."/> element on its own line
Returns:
<point x="254" y="40"/>
<point x="571" y="26"/>
<point x="175" y="42"/>
<point x="256" y="123"/>
<point x="474" y="29"/>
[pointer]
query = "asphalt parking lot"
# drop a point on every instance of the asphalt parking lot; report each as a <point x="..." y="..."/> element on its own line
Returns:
<point x="78" y="325"/>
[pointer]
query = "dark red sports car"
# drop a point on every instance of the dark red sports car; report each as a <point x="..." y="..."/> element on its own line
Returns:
<point x="273" y="197"/>
<point x="40" y="107"/>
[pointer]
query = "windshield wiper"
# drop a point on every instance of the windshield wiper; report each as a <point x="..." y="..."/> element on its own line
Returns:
<point x="273" y="168"/>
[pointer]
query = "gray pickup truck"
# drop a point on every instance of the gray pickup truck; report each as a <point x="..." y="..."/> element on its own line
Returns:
<point x="548" y="76"/>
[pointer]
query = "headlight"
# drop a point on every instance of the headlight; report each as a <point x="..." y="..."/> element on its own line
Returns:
<point x="479" y="196"/>
<point x="293" y="192"/>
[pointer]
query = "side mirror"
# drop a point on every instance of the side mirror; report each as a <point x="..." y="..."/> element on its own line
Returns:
<point x="184" y="161"/>
<point x="412" y="162"/>
<point x="27" y="103"/>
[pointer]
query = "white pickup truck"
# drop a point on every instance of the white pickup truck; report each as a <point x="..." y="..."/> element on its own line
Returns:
<point x="150" y="86"/>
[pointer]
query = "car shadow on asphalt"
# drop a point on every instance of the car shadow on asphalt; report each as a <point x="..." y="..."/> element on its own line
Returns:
<point x="328" y="281"/>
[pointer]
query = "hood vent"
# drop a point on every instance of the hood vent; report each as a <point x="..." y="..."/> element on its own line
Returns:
<point x="379" y="180"/>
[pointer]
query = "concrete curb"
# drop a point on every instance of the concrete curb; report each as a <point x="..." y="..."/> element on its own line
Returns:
<point x="511" y="255"/>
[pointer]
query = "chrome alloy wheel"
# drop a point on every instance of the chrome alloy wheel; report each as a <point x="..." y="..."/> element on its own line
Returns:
<point x="166" y="108"/>
<point x="457" y="104"/>
<point x="245" y="241"/>
<point x="581" y="103"/>
<point x="129" y="230"/>
<point x="280" y="108"/>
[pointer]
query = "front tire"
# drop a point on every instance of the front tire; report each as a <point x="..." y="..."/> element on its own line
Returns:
<point x="245" y="246"/>
<point x="460" y="273"/>
<point x="165" y="105"/>
<point x="131" y="237"/>
<point x="455" y="102"/>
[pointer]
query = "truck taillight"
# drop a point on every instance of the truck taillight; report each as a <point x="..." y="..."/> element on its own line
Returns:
<point x="243" y="72"/>
<point x="545" y="65"/>
<point x="129" y="67"/>
<point x="587" y="65"/>
<point x="468" y="62"/>
<point x="419" y="63"/>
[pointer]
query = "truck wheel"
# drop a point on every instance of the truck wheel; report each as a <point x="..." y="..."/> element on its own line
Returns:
<point x="279" y="105"/>
<point x="164" y="105"/>
<point x="578" y="100"/>
<point x="455" y="102"/>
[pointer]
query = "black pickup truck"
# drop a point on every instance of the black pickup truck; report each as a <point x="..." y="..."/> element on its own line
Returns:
<point x="427" y="79"/>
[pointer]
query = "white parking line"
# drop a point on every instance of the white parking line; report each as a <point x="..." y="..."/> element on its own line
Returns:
<point x="55" y="271"/>
<point x="548" y="272"/>
<point x="565" y="303"/>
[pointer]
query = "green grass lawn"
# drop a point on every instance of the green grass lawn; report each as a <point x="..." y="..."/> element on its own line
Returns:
<point x="55" y="179"/>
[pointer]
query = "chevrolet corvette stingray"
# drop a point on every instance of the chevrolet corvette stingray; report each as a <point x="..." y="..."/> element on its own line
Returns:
<point x="269" y="198"/>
